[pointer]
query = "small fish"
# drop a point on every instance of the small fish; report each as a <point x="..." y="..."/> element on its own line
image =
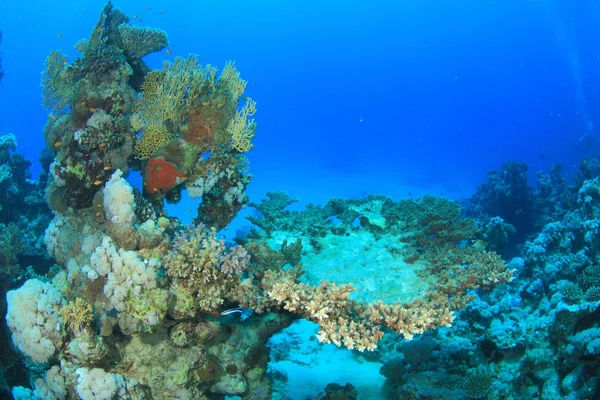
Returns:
<point x="205" y="103"/>
<point x="220" y="105"/>
<point x="84" y="10"/>
<point x="169" y="51"/>
<point x="134" y="16"/>
<point x="98" y="182"/>
<point x="479" y="244"/>
<point x="149" y="8"/>
<point x="162" y="12"/>
<point x="107" y="167"/>
<point x="189" y="210"/>
<point x="59" y="35"/>
<point x="57" y="144"/>
<point x="141" y="20"/>
<point x="542" y="156"/>
<point x="92" y="109"/>
<point x="102" y="145"/>
<point x="244" y="312"/>
<point x="65" y="62"/>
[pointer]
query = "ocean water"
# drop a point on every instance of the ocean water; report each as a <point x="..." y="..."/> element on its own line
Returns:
<point x="396" y="110"/>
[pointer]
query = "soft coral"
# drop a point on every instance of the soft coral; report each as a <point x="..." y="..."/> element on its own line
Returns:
<point x="161" y="175"/>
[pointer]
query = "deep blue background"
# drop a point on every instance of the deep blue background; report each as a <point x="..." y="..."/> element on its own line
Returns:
<point x="387" y="96"/>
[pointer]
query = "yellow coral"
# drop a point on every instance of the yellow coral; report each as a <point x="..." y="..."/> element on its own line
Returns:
<point x="168" y="96"/>
<point x="231" y="81"/>
<point x="241" y="129"/>
<point x="77" y="314"/>
<point x="165" y="101"/>
<point x="151" y="85"/>
<point x="155" y="136"/>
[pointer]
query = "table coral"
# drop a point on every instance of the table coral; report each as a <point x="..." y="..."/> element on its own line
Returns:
<point x="432" y="232"/>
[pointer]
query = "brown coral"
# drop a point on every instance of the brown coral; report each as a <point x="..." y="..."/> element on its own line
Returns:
<point x="77" y="314"/>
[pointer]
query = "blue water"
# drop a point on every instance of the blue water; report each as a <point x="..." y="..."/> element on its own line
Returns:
<point x="427" y="96"/>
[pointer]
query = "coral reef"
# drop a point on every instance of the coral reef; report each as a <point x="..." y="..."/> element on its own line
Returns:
<point x="138" y="306"/>
<point x="131" y="309"/>
<point x="507" y="194"/>
<point x="534" y="338"/>
<point x="511" y="210"/>
<point x="143" y="307"/>
<point x="24" y="214"/>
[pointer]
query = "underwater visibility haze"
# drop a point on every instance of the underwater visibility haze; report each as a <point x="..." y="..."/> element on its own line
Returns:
<point x="299" y="200"/>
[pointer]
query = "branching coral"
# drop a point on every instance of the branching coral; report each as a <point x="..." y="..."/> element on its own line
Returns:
<point x="77" y="314"/>
<point x="231" y="80"/>
<point x="241" y="129"/>
<point x="203" y="270"/>
<point x="326" y="304"/>
<point x="344" y="321"/>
